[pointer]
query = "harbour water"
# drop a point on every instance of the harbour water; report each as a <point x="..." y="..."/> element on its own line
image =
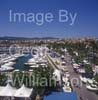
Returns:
<point x="20" y="63"/>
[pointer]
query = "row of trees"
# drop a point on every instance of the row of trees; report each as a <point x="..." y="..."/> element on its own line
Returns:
<point x="87" y="49"/>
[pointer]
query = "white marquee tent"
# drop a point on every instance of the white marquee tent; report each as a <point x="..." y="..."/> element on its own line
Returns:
<point x="10" y="91"/>
<point x="23" y="92"/>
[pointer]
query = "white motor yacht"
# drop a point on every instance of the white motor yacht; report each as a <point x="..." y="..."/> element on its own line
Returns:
<point x="92" y="87"/>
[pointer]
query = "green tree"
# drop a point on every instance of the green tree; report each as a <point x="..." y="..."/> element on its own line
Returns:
<point x="3" y="79"/>
<point x="88" y="69"/>
<point x="96" y="78"/>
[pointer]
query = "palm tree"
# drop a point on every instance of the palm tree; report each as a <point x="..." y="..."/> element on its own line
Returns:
<point x="3" y="79"/>
<point x="88" y="70"/>
<point x="44" y="73"/>
<point x="96" y="78"/>
<point x="20" y="78"/>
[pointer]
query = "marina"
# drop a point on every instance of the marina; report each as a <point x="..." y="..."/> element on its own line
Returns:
<point x="48" y="50"/>
<point x="41" y="59"/>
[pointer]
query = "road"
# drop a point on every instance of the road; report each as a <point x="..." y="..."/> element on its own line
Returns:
<point x="82" y="92"/>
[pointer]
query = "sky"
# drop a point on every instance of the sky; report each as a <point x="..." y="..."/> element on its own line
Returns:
<point x="85" y="25"/>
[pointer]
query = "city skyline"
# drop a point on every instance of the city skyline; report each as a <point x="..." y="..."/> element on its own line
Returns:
<point x="85" y="24"/>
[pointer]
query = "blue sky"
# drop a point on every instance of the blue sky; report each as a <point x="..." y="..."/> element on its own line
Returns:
<point x="85" y="25"/>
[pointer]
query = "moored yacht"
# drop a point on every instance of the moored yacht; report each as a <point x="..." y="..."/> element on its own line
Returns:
<point x="92" y="87"/>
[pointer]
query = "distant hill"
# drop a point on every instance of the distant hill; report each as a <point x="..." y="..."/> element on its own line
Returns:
<point x="24" y="38"/>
